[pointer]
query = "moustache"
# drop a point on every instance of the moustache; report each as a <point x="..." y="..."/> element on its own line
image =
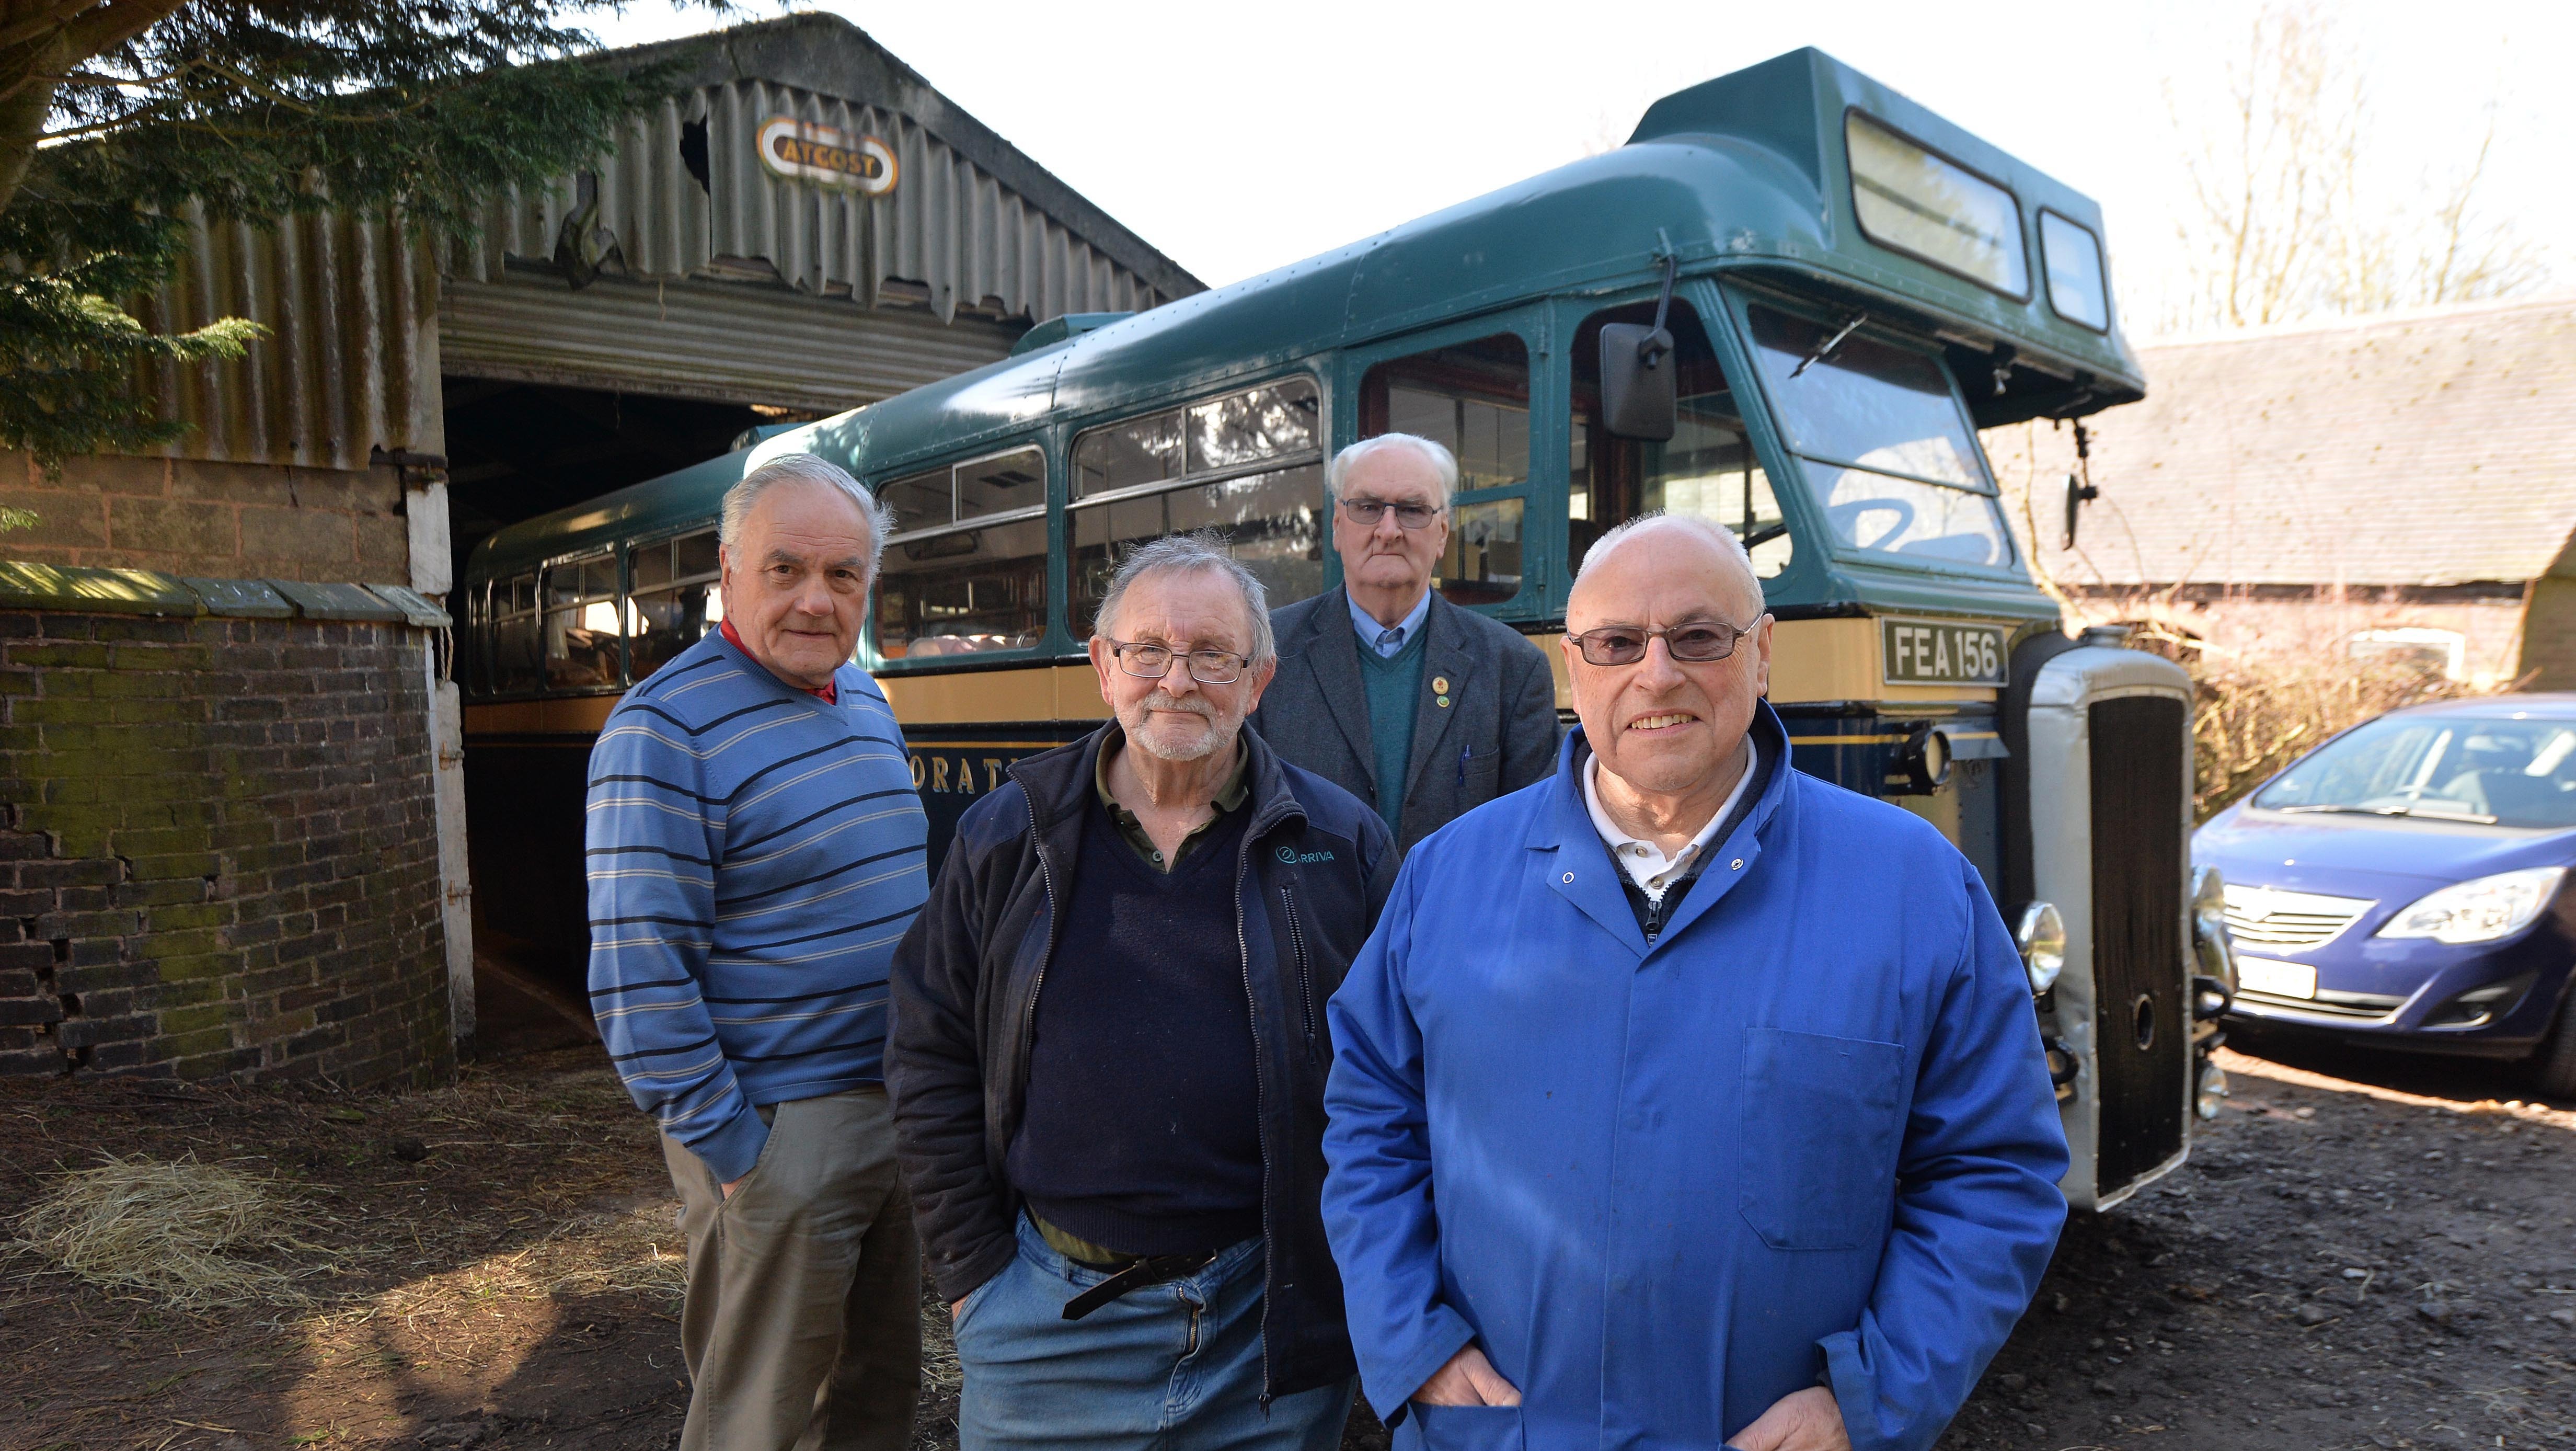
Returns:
<point x="1191" y="704"/>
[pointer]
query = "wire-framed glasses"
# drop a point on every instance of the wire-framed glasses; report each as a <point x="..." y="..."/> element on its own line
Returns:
<point x="1695" y="642"/>
<point x="1153" y="662"/>
<point x="1365" y="512"/>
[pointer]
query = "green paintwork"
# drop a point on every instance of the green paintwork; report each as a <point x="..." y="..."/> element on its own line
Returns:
<point x="1057" y="329"/>
<point x="1742" y="179"/>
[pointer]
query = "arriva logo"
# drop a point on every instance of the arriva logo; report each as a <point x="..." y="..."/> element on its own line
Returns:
<point x="1290" y="856"/>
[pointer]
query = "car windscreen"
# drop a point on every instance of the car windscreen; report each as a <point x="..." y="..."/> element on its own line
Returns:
<point x="2491" y="769"/>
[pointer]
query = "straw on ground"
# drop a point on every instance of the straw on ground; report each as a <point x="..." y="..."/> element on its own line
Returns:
<point x="194" y="1236"/>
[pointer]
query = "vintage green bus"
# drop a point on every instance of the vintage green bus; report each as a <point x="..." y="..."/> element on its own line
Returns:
<point x="1851" y="287"/>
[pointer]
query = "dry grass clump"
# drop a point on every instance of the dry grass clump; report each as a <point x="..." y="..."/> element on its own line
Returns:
<point x="194" y="1236"/>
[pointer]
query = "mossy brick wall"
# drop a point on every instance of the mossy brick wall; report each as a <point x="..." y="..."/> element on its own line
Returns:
<point x="218" y="850"/>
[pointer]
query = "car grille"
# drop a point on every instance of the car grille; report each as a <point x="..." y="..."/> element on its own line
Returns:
<point x="2364" y="1006"/>
<point x="2268" y="917"/>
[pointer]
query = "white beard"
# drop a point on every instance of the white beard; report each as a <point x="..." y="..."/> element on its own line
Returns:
<point x="1167" y="742"/>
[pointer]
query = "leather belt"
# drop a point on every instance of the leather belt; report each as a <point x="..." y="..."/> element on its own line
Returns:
<point x="1154" y="1270"/>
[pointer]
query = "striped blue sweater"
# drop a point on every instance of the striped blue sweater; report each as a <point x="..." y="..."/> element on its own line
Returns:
<point x="754" y="855"/>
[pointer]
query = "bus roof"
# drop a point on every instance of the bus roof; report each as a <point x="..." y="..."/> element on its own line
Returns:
<point x="1747" y="173"/>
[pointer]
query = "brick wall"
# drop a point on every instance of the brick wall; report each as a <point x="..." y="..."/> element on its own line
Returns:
<point x="220" y="520"/>
<point x="218" y="850"/>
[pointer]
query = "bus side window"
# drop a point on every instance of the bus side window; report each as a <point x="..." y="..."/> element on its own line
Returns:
<point x="673" y="600"/>
<point x="958" y="588"/>
<point x="515" y="663"/>
<point x="1707" y="468"/>
<point x="1248" y="465"/>
<point x="1472" y="399"/>
<point x="582" y="634"/>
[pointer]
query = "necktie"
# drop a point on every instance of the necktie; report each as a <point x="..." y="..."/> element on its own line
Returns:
<point x="1389" y="639"/>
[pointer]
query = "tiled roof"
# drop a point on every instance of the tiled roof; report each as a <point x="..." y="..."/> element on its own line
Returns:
<point x="2426" y="448"/>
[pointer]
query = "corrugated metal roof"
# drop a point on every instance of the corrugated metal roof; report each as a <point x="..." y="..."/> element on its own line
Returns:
<point x="351" y="360"/>
<point x="725" y="342"/>
<point x="950" y="223"/>
<point x="2427" y="448"/>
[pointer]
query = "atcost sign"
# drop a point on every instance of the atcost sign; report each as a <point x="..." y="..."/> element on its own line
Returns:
<point x="826" y="156"/>
<point x="1940" y="652"/>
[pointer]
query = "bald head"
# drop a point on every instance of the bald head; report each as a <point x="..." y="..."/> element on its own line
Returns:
<point x="1704" y="541"/>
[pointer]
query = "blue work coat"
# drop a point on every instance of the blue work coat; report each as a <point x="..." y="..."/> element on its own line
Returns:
<point x="1805" y="1136"/>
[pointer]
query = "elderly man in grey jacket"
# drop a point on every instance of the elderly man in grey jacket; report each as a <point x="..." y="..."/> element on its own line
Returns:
<point x="1385" y="689"/>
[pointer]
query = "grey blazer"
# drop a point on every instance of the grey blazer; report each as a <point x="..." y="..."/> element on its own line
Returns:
<point x="1497" y="733"/>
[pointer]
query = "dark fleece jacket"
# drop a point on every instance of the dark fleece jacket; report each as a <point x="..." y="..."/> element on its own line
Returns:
<point x="1314" y="868"/>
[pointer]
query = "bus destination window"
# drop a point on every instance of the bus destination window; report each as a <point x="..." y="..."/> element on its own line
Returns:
<point x="673" y="600"/>
<point x="1706" y="469"/>
<point x="966" y="570"/>
<point x="1473" y="399"/>
<point x="1882" y="441"/>
<point x="1248" y="464"/>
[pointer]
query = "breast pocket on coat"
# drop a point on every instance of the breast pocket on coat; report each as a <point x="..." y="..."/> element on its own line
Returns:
<point x="1823" y="1120"/>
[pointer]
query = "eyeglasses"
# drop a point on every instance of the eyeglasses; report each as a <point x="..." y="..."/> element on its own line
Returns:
<point x="1695" y="642"/>
<point x="1366" y="513"/>
<point x="1154" y="662"/>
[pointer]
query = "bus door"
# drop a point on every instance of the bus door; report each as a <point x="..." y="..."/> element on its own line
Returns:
<point x="1467" y="386"/>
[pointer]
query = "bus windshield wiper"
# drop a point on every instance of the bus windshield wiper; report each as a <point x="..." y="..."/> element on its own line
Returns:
<point x="1831" y="343"/>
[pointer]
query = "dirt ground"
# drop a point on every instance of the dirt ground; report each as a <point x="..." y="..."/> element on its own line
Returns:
<point x="2364" y="1252"/>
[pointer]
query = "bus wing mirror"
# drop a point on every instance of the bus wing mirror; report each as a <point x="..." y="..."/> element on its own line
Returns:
<point x="1638" y="399"/>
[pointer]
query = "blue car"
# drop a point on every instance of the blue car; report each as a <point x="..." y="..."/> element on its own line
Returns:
<point x="2407" y="885"/>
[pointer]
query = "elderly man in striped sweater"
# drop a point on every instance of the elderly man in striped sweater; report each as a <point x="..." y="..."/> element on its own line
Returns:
<point x="755" y="852"/>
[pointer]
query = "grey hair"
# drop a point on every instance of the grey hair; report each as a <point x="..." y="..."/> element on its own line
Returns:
<point x="1201" y="553"/>
<point x="1435" y="454"/>
<point x="1706" y="528"/>
<point x="805" y="468"/>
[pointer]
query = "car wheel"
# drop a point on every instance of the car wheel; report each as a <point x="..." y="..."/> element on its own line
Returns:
<point x="2551" y="1071"/>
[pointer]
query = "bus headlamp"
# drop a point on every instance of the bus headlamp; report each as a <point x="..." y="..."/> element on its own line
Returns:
<point x="2211" y="947"/>
<point x="2041" y="936"/>
<point x="2479" y="910"/>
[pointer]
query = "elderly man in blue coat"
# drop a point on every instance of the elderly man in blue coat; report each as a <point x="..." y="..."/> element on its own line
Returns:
<point x="1682" y="1099"/>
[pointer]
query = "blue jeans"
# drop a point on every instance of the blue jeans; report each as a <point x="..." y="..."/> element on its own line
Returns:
<point x="1171" y="1367"/>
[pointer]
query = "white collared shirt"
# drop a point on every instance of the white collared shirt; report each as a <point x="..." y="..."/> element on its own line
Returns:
<point x="1643" y="861"/>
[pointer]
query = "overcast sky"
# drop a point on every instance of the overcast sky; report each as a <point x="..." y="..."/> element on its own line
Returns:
<point x="1391" y="109"/>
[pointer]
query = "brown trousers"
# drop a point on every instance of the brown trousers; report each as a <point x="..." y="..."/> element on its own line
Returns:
<point x="802" y="1329"/>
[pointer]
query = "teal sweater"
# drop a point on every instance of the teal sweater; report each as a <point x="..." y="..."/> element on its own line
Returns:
<point x="1394" y="685"/>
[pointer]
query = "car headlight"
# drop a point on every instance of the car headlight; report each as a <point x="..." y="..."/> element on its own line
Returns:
<point x="2481" y="910"/>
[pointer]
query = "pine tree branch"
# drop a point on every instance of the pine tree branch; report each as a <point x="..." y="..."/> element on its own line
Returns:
<point x="115" y="23"/>
<point x="45" y="21"/>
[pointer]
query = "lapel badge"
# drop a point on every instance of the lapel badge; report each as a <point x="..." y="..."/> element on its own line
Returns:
<point x="1441" y="701"/>
<point x="1439" y="685"/>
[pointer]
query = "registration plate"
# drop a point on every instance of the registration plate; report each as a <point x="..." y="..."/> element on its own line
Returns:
<point x="1940" y="652"/>
<point x="2280" y="979"/>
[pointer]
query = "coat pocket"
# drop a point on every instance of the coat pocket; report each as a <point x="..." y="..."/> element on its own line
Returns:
<point x="1467" y="1428"/>
<point x="1823" y="1120"/>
